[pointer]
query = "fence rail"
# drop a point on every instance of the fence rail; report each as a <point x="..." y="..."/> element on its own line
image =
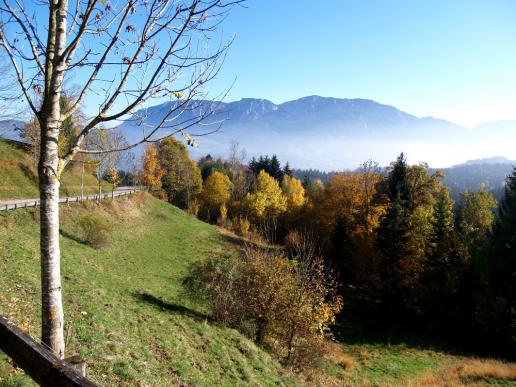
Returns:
<point x="37" y="361"/>
<point x="69" y="199"/>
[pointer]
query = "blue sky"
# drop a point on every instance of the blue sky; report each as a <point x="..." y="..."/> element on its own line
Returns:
<point x="452" y="59"/>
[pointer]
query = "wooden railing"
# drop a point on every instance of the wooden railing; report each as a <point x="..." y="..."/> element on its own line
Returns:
<point x="38" y="362"/>
<point x="69" y="199"/>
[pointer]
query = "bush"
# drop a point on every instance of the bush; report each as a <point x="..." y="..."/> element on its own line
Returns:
<point x="95" y="230"/>
<point x="193" y="207"/>
<point x="241" y="225"/>
<point x="285" y="304"/>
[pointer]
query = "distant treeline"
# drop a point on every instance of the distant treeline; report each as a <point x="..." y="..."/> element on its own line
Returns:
<point x="458" y="179"/>
<point x="490" y="177"/>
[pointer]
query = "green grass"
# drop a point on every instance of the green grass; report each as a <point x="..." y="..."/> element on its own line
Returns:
<point x="126" y="315"/>
<point x="18" y="176"/>
<point x="123" y="304"/>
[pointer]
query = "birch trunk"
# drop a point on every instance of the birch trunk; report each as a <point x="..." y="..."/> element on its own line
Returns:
<point x="49" y="171"/>
<point x="52" y="316"/>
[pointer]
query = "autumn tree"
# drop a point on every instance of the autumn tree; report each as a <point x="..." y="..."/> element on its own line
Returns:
<point x="475" y="219"/>
<point x="152" y="172"/>
<point x="216" y="192"/>
<point x="294" y="193"/>
<point x="241" y="176"/>
<point x="182" y="178"/>
<point x="346" y="218"/>
<point x="112" y="176"/>
<point x="146" y="49"/>
<point x="267" y="200"/>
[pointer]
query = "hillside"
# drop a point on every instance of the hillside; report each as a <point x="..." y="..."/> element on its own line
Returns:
<point x="127" y="316"/>
<point x="123" y="305"/>
<point x="18" y="175"/>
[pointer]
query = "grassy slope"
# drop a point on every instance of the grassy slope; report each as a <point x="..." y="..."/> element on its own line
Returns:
<point x="18" y="178"/>
<point x="123" y="305"/>
<point x="126" y="316"/>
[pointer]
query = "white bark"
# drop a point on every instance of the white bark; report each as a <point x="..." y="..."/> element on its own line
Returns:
<point x="49" y="171"/>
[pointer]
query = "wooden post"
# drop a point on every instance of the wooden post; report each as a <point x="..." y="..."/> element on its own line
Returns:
<point x="78" y="364"/>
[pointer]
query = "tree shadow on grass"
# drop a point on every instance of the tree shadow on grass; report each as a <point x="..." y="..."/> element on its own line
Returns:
<point x="360" y="333"/>
<point x="358" y="325"/>
<point x="71" y="236"/>
<point x="174" y="308"/>
<point x="28" y="172"/>
<point x="242" y="242"/>
<point x="355" y="330"/>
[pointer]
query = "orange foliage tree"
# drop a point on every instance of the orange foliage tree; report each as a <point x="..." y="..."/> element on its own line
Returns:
<point x="152" y="171"/>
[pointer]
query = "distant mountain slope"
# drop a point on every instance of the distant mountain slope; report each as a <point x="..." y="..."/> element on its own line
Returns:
<point x="476" y="174"/>
<point x="10" y="129"/>
<point x="488" y="160"/>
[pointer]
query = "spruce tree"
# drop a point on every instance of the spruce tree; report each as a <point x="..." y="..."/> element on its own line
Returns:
<point x="275" y="168"/>
<point x="307" y="182"/>
<point x="443" y="266"/>
<point x="394" y="238"/>
<point x="287" y="171"/>
<point x="505" y="235"/>
<point x="443" y="236"/>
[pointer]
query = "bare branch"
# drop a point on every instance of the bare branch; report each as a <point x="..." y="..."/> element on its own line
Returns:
<point x="19" y="76"/>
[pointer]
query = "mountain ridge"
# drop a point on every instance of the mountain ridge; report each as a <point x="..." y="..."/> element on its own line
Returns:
<point x="323" y="132"/>
<point x="329" y="133"/>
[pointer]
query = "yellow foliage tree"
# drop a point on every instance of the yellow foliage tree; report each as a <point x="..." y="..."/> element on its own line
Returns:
<point x="216" y="192"/>
<point x="294" y="192"/>
<point x="267" y="199"/>
<point x="152" y="171"/>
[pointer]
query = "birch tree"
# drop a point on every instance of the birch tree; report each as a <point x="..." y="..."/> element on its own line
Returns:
<point x="123" y="55"/>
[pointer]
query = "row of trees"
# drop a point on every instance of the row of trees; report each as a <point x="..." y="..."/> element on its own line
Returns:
<point x="400" y="245"/>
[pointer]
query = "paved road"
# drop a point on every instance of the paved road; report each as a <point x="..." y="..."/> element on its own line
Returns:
<point x="24" y="203"/>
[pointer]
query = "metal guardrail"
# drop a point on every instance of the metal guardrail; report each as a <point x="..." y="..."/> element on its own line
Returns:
<point x="69" y="199"/>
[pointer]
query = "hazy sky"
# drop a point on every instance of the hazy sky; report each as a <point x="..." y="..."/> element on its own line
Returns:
<point x="452" y="59"/>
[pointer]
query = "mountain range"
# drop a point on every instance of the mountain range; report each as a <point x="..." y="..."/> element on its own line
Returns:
<point x="332" y="133"/>
<point x="323" y="133"/>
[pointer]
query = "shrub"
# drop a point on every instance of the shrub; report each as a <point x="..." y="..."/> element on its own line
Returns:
<point x="193" y="207"/>
<point x="95" y="230"/>
<point x="241" y="225"/>
<point x="285" y="304"/>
